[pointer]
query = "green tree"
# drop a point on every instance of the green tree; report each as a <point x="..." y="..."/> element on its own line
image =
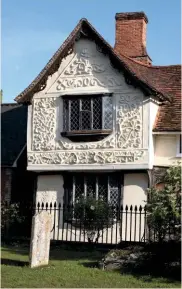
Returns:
<point x="164" y="206"/>
<point x="91" y="216"/>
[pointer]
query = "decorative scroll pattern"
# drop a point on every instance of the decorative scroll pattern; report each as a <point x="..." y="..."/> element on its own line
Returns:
<point x="76" y="82"/>
<point x="44" y="123"/>
<point x="85" y="157"/>
<point x="81" y="65"/>
<point x="108" y="142"/>
<point x="44" y="130"/>
<point x="129" y="120"/>
<point x="87" y="69"/>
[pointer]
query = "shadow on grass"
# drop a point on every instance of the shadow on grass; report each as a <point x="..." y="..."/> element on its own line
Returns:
<point x="59" y="253"/>
<point x="155" y="261"/>
<point x="11" y="262"/>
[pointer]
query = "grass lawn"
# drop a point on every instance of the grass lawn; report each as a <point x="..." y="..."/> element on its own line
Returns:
<point x="68" y="268"/>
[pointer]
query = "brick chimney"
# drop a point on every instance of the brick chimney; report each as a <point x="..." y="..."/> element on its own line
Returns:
<point x="131" y="36"/>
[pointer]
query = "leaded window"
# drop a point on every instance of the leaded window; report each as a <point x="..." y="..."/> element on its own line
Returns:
<point x="100" y="186"/>
<point x="87" y="113"/>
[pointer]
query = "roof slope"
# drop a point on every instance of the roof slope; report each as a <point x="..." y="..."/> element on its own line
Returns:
<point x="166" y="79"/>
<point x="85" y="29"/>
<point x="13" y="132"/>
<point x="161" y="81"/>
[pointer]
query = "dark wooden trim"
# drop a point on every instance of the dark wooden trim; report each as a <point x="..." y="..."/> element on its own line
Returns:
<point x="86" y="132"/>
<point x="83" y="96"/>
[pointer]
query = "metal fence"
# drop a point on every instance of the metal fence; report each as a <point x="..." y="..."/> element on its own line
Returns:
<point x="123" y="224"/>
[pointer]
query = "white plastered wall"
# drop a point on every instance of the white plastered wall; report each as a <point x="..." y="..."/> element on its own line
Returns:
<point x="50" y="188"/>
<point x="153" y="108"/>
<point x="135" y="194"/>
<point x="166" y="150"/>
<point x="134" y="191"/>
<point x="127" y="147"/>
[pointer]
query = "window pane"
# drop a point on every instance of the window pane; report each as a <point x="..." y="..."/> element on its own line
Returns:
<point x="79" y="187"/>
<point x="65" y="114"/>
<point x="102" y="187"/>
<point x="86" y="104"/>
<point x="97" y="113"/>
<point x="107" y="113"/>
<point x="85" y="120"/>
<point x="91" y="186"/>
<point x="114" y="189"/>
<point x="68" y="190"/>
<point x="74" y="116"/>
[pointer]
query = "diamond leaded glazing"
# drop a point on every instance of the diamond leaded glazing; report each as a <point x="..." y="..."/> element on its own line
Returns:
<point x="88" y="113"/>
<point x="100" y="186"/>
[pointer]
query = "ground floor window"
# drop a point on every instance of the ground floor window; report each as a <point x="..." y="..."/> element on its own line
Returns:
<point x="100" y="186"/>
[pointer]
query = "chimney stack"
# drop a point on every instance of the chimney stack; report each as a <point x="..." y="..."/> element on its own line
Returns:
<point x="130" y="38"/>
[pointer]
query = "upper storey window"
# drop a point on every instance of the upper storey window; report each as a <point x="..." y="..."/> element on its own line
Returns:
<point x="87" y="117"/>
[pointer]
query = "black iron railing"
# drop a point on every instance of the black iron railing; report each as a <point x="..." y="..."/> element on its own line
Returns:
<point x="124" y="224"/>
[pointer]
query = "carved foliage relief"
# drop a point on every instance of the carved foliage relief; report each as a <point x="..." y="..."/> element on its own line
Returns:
<point x="44" y="124"/>
<point x="128" y="136"/>
<point x="129" y="121"/>
<point x="87" y="68"/>
<point x="86" y="157"/>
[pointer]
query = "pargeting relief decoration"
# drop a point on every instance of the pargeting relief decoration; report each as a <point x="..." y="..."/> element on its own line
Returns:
<point x="77" y="82"/>
<point x="109" y="142"/>
<point x="85" y="157"/>
<point x="129" y="127"/>
<point x="129" y="121"/>
<point x="44" y="130"/>
<point x="44" y="123"/>
<point x="84" y="71"/>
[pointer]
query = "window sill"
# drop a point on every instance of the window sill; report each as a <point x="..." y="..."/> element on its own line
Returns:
<point x="179" y="156"/>
<point x="86" y="135"/>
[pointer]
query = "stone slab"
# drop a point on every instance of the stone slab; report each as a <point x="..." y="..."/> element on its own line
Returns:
<point x="40" y="239"/>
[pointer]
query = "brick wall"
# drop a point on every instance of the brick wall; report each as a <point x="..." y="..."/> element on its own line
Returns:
<point x="130" y="38"/>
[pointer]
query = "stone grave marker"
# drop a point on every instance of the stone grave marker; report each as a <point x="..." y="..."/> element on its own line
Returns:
<point x="40" y="239"/>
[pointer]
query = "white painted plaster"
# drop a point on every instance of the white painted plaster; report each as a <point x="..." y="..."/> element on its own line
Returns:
<point x="135" y="194"/>
<point x="50" y="188"/>
<point x="166" y="150"/>
<point x="153" y="108"/>
<point x="87" y="71"/>
<point x="135" y="186"/>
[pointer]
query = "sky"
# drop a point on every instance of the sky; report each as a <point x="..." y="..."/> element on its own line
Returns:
<point x="32" y="31"/>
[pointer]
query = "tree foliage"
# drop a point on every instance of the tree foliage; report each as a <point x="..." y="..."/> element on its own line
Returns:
<point x="92" y="216"/>
<point x="10" y="215"/>
<point x="164" y="206"/>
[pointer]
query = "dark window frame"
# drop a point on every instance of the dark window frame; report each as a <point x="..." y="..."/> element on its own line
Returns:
<point x="180" y="144"/>
<point x="71" y="192"/>
<point x="93" y="129"/>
